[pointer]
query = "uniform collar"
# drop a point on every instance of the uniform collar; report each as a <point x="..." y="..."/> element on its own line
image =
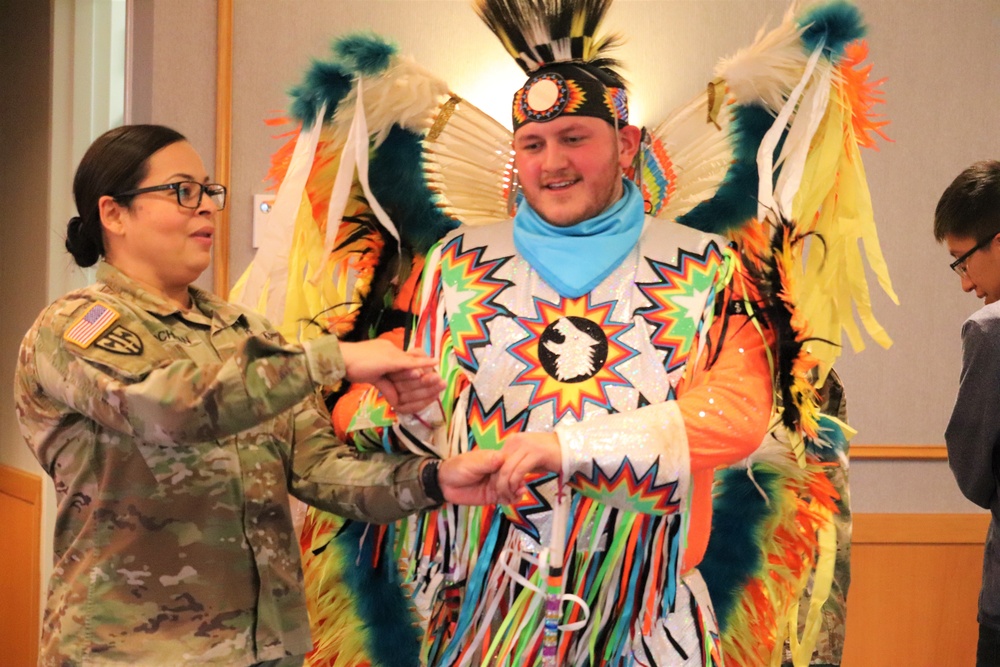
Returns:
<point x="205" y="306"/>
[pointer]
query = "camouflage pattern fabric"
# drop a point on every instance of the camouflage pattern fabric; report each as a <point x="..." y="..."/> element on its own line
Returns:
<point x="173" y="439"/>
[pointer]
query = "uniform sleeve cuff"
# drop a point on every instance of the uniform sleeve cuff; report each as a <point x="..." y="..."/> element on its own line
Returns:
<point x="324" y="361"/>
<point x="410" y="481"/>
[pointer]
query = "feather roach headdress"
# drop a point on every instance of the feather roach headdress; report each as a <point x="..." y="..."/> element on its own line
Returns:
<point x="569" y="70"/>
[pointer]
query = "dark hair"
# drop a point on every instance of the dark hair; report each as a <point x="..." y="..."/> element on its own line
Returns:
<point x="117" y="161"/>
<point x="970" y="207"/>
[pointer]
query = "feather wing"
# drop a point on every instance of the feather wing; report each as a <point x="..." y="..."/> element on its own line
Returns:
<point x="789" y="186"/>
<point x="469" y="163"/>
<point x="353" y="217"/>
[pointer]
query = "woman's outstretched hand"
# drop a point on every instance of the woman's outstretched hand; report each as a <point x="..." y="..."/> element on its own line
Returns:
<point x="408" y="380"/>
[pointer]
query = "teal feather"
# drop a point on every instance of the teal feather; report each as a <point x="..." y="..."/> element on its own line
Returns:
<point x="735" y="202"/>
<point x="305" y="104"/>
<point x="734" y="554"/>
<point x="392" y="637"/>
<point x="364" y="53"/>
<point x="832" y="442"/>
<point x="325" y="82"/>
<point x="398" y="183"/>
<point x="838" y="22"/>
<point x="329" y="82"/>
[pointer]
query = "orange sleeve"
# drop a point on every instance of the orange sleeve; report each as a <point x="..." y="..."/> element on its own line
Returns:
<point x="726" y="399"/>
<point x="726" y="402"/>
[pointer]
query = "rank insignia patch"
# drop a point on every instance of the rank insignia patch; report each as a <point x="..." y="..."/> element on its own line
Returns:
<point x="121" y="341"/>
<point x="91" y="324"/>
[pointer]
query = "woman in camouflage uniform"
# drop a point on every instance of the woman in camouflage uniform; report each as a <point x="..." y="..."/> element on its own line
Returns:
<point x="174" y="425"/>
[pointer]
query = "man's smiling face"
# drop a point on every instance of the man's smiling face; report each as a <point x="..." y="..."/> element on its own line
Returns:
<point x="570" y="168"/>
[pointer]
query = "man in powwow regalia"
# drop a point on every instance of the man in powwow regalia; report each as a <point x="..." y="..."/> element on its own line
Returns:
<point x="614" y="359"/>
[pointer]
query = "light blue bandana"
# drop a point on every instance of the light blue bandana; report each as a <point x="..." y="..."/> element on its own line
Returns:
<point x="575" y="259"/>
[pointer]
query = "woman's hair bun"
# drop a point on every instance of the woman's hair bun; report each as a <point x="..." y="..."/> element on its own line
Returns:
<point x="82" y="246"/>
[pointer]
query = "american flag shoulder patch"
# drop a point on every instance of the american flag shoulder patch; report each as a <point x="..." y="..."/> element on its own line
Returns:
<point x="91" y="324"/>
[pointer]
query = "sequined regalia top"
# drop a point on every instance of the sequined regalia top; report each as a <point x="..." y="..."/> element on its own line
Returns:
<point x="651" y="380"/>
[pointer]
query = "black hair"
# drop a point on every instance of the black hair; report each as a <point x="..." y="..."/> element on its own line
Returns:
<point x="117" y="161"/>
<point x="970" y="206"/>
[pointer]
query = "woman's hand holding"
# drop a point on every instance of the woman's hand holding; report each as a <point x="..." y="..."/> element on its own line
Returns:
<point x="408" y="380"/>
<point x="487" y="477"/>
<point x="525" y="453"/>
<point x="469" y="478"/>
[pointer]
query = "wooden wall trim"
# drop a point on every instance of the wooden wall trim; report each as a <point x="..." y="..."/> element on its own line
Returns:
<point x="920" y="528"/>
<point x="20" y="565"/>
<point x="899" y="452"/>
<point x="915" y="581"/>
<point x="21" y="485"/>
<point x="223" y="141"/>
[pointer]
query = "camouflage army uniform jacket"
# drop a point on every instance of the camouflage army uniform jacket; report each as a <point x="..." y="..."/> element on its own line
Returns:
<point x="173" y="439"/>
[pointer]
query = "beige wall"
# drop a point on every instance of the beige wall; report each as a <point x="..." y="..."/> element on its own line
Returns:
<point x="172" y="72"/>
<point x="25" y="129"/>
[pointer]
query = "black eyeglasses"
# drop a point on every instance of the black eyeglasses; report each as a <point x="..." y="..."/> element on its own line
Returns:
<point x="958" y="266"/>
<point x="188" y="193"/>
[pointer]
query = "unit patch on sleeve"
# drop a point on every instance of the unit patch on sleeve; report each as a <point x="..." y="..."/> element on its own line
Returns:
<point x="121" y="341"/>
<point x="91" y="324"/>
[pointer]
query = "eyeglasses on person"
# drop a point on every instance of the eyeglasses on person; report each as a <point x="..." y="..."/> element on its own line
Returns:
<point x="959" y="267"/>
<point x="189" y="193"/>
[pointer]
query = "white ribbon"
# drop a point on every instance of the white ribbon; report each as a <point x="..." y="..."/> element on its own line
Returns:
<point x="799" y="140"/>
<point x="765" y="153"/>
<point x="270" y="265"/>
<point x="353" y="158"/>
<point x="542" y="562"/>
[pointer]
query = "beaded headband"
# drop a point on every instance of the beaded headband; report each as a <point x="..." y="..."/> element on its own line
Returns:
<point x="565" y="90"/>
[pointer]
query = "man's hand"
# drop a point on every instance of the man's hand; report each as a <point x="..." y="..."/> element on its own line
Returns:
<point x="468" y="479"/>
<point x="407" y="380"/>
<point x="525" y="453"/>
